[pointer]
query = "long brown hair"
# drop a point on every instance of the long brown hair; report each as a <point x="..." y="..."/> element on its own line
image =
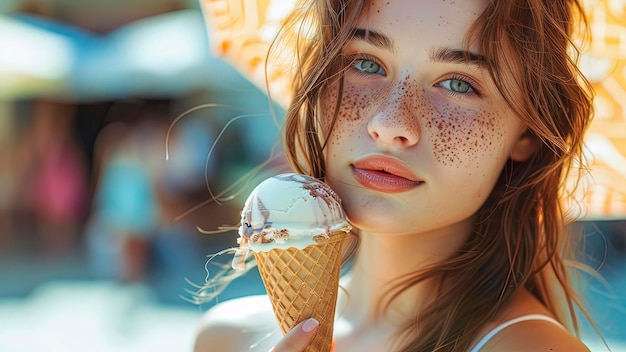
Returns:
<point x="519" y="231"/>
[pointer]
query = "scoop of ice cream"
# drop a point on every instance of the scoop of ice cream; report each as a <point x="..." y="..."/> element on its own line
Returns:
<point x="289" y="210"/>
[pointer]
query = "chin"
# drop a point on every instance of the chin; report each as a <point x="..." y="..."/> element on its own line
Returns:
<point x="381" y="223"/>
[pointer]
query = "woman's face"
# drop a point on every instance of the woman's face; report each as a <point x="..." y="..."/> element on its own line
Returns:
<point x="422" y="135"/>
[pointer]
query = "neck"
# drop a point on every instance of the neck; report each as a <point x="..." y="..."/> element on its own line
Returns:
<point x="382" y="262"/>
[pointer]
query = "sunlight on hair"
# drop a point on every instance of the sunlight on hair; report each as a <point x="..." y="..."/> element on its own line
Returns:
<point x="241" y="184"/>
<point x="215" y="284"/>
<point x="224" y="195"/>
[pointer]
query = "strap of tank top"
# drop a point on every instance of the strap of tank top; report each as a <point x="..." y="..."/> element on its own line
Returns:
<point x="506" y="324"/>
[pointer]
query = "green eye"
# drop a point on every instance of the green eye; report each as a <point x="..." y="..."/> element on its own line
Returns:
<point x="368" y="66"/>
<point x="457" y="86"/>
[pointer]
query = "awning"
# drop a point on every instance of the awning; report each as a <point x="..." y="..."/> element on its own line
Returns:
<point x="163" y="55"/>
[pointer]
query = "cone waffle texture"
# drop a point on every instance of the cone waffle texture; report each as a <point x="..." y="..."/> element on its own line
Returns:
<point x="302" y="284"/>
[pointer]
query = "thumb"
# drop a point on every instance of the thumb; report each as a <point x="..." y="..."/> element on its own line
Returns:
<point x="298" y="338"/>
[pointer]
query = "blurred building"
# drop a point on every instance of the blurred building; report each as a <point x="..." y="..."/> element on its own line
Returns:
<point x="150" y="131"/>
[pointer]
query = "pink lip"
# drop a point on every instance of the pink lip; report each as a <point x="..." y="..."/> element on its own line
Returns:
<point x="384" y="174"/>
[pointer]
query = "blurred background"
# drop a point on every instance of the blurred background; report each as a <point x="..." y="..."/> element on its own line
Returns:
<point x="100" y="233"/>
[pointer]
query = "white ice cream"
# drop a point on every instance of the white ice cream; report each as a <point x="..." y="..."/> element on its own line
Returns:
<point x="289" y="210"/>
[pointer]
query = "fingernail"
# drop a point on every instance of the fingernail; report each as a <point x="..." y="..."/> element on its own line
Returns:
<point x="310" y="325"/>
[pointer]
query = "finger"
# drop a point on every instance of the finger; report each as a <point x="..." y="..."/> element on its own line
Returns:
<point x="298" y="338"/>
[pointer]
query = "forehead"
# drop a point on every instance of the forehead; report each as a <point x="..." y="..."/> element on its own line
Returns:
<point x="414" y="9"/>
<point x="431" y="20"/>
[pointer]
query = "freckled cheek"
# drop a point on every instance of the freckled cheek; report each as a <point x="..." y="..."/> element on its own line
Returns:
<point x="327" y="107"/>
<point x="462" y="136"/>
<point x="356" y="103"/>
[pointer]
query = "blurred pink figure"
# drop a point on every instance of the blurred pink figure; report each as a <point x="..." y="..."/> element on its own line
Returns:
<point x="55" y="186"/>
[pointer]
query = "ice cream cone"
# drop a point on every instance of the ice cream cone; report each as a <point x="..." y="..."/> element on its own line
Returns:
<point x="303" y="283"/>
<point x="296" y="228"/>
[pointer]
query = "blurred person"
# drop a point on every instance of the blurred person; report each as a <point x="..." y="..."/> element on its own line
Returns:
<point x="124" y="216"/>
<point x="181" y="180"/>
<point x="133" y="234"/>
<point x="52" y="178"/>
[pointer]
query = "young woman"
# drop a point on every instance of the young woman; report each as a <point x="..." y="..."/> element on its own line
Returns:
<point x="447" y="128"/>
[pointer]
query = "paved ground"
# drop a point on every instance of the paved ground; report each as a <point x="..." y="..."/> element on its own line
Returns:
<point x="57" y="306"/>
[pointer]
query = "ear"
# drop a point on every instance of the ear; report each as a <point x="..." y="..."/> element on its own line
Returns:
<point x="525" y="147"/>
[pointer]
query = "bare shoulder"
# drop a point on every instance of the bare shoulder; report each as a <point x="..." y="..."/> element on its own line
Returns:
<point x="535" y="335"/>
<point x="241" y="324"/>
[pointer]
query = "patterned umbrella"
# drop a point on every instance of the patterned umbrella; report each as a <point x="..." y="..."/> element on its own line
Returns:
<point x="241" y="31"/>
<point x="604" y="64"/>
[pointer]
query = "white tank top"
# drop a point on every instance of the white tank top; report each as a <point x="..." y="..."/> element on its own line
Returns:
<point x="506" y="324"/>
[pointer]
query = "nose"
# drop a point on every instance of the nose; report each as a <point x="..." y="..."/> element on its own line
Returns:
<point x="397" y="122"/>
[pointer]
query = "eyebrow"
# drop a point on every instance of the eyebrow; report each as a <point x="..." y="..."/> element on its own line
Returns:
<point x="373" y="38"/>
<point x="443" y="54"/>
<point x="457" y="56"/>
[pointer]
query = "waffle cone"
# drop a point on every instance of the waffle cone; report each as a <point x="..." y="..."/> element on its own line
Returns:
<point x="302" y="284"/>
